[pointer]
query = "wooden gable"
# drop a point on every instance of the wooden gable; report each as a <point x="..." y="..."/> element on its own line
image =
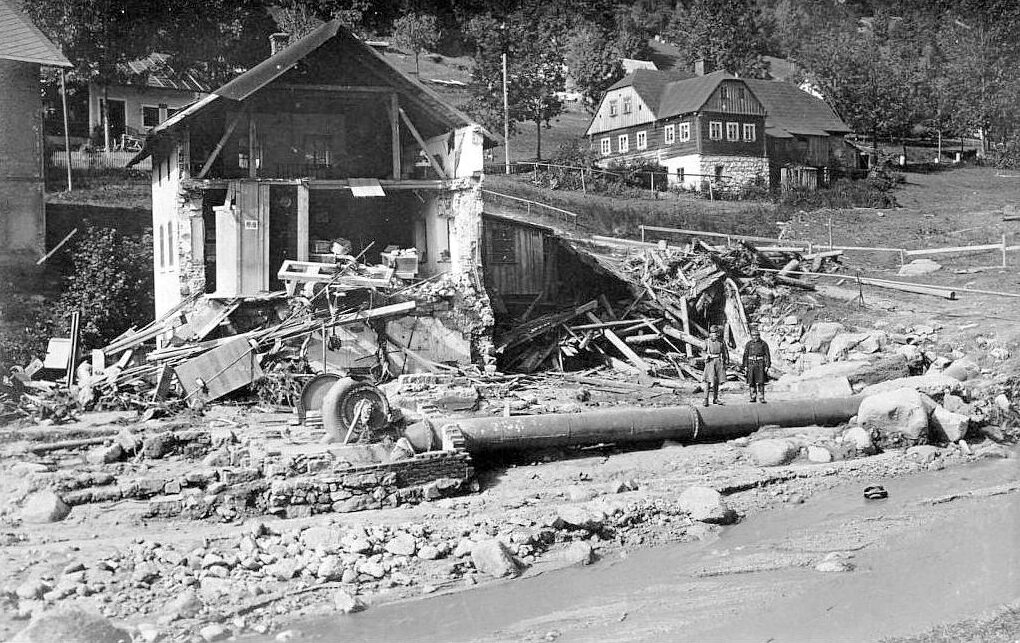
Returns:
<point x="606" y="119"/>
<point x="733" y="97"/>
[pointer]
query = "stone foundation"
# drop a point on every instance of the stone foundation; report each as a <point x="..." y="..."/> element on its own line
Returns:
<point x="698" y="170"/>
<point x="299" y="488"/>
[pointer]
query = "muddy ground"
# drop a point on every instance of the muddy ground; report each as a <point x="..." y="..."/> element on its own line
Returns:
<point x="264" y="577"/>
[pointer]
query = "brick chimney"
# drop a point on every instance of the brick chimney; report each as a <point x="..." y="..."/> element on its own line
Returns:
<point x="277" y="42"/>
<point x="702" y="67"/>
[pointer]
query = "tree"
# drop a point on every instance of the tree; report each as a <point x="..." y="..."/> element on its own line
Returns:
<point x="533" y="44"/>
<point x="211" y="37"/>
<point x="863" y="75"/>
<point x="728" y="34"/>
<point x="595" y="63"/>
<point x="418" y="32"/>
<point x="111" y="284"/>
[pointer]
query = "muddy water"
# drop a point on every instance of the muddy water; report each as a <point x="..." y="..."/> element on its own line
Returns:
<point x="916" y="565"/>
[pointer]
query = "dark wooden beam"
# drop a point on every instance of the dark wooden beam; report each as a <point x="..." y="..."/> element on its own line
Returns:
<point x="395" y="133"/>
<point x="421" y="142"/>
<point x="219" y="145"/>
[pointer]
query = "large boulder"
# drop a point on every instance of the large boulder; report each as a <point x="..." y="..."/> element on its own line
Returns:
<point x="773" y="452"/>
<point x="843" y="343"/>
<point x="860" y="439"/>
<point x="705" y="505"/>
<point x="43" y="507"/>
<point x="912" y="353"/>
<point x="898" y="417"/>
<point x="818" y="337"/>
<point x="579" y="517"/>
<point x="948" y="426"/>
<point x="493" y="558"/>
<point x="963" y="369"/>
<point x="932" y="385"/>
<point x="821" y="387"/>
<point x="885" y="367"/>
<point x="71" y="625"/>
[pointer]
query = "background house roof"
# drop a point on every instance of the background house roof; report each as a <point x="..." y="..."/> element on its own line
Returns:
<point x="795" y="111"/>
<point x="649" y="84"/>
<point x="157" y="72"/>
<point x="685" y="96"/>
<point x="22" y="41"/>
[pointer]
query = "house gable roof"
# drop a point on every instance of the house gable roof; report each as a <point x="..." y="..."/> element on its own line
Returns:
<point x="290" y="58"/>
<point x="790" y="110"/>
<point x="21" y="40"/>
<point x="649" y="84"/>
<point x="665" y="93"/>
<point x="686" y="96"/>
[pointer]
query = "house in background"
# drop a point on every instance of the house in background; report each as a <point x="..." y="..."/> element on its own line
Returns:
<point x="152" y="92"/>
<point x="23" y="51"/>
<point x="704" y="129"/>
<point x="708" y="128"/>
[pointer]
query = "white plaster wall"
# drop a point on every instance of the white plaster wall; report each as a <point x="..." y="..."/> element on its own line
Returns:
<point x="691" y="165"/>
<point x="464" y="157"/>
<point x="165" y="186"/>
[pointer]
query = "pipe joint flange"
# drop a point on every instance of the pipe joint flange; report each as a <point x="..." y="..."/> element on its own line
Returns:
<point x="453" y="437"/>
<point x="696" y="422"/>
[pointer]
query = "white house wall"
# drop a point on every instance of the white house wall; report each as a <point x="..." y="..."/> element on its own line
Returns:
<point x="167" y="231"/>
<point x="604" y="122"/>
<point x="462" y="159"/>
<point x="134" y="99"/>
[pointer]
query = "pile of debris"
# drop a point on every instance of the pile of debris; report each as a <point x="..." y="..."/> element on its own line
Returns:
<point x="677" y="293"/>
<point x="345" y="317"/>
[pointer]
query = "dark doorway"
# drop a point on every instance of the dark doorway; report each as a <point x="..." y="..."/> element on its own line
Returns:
<point x="117" y="115"/>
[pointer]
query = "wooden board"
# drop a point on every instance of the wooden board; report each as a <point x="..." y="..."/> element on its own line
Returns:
<point x="224" y="369"/>
<point x="428" y="337"/>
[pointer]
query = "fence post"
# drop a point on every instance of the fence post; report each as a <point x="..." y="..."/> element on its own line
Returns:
<point x="642" y="227"/>
<point x="583" y="189"/>
<point x="830" y="232"/>
<point x="652" y="174"/>
<point x="1003" y="249"/>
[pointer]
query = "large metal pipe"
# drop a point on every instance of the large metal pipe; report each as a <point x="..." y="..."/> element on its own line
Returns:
<point x="631" y="425"/>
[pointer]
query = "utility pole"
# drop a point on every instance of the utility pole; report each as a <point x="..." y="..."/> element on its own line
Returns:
<point x="67" y="136"/>
<point x="506" y="118"/>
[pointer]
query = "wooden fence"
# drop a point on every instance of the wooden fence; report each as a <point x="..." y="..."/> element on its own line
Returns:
<point x="95" y="161"/>
<point x="811" y="246"/>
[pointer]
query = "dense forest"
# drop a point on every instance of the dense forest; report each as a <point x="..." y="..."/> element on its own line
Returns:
<point x="891" y="68"/>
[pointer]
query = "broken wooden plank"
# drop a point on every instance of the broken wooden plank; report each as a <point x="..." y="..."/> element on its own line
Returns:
<point x="647" y="338"/>
<point x="684" y="337"/>
<point x="621" y="346"/>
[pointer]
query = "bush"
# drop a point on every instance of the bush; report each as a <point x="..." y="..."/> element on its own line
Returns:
<point x="843" y="193"/>
<point x="111" y="284"/>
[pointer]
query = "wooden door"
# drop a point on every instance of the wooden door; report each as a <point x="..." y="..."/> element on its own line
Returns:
<point x="242" y="242"/>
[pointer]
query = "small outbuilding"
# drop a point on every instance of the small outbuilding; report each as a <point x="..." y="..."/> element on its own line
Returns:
<point x="23" y="51"/>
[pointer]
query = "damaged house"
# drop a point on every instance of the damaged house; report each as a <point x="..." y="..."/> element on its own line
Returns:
<point x="324" y="141"/>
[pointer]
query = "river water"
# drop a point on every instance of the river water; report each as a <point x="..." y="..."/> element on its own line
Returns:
<point x="917" y="565"/>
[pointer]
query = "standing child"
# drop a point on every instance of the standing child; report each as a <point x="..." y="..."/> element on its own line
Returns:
<point x="757" y="361"/>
